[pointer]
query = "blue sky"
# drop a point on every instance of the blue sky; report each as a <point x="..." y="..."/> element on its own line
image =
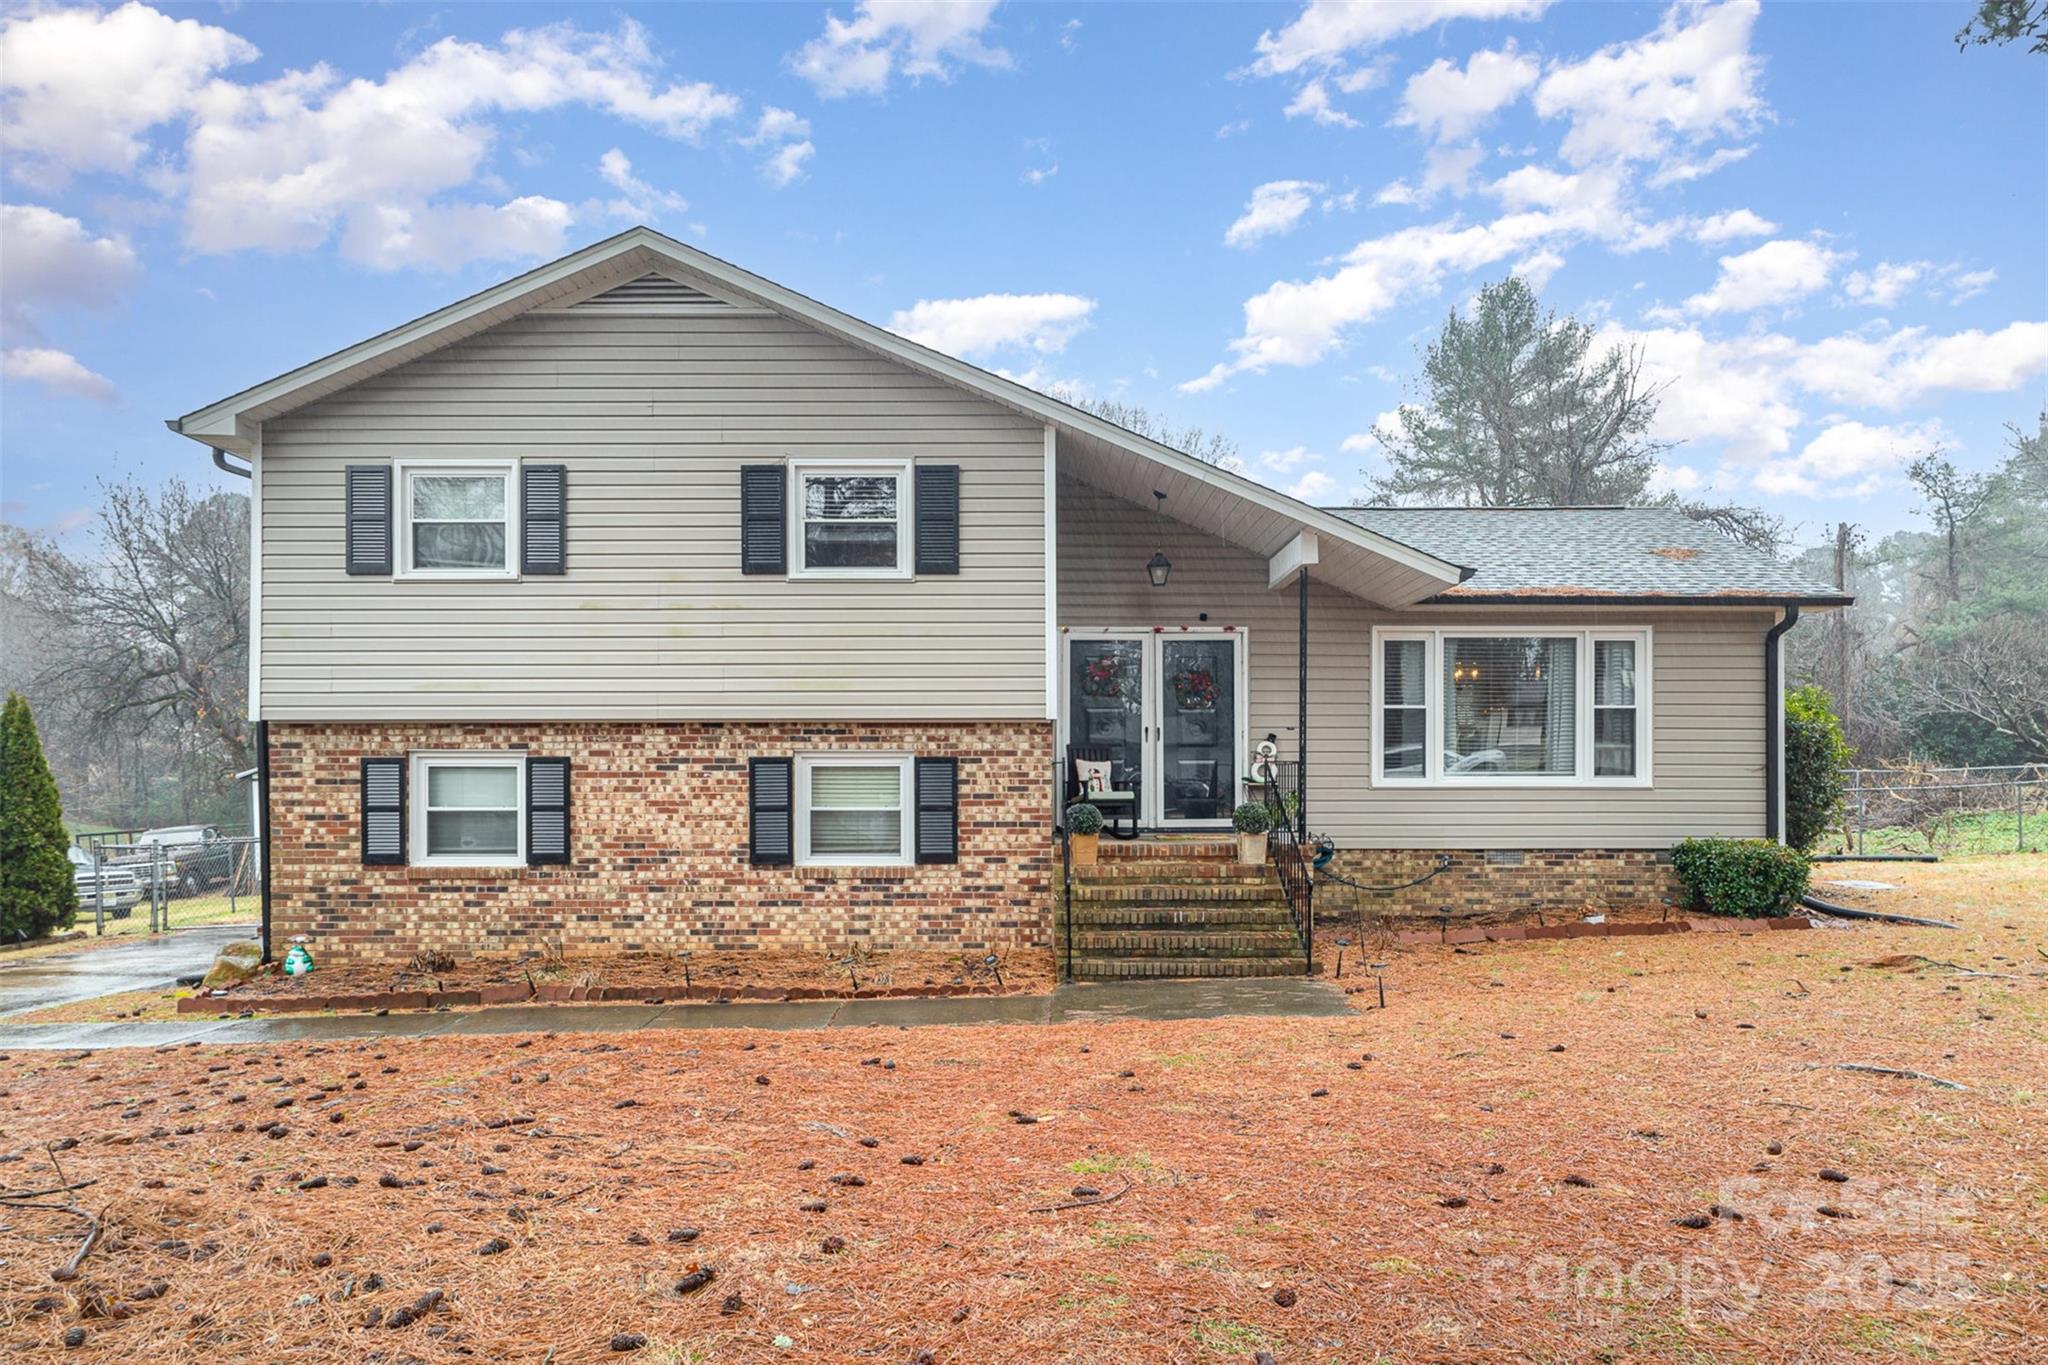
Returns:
<point x="1821" y="223"/>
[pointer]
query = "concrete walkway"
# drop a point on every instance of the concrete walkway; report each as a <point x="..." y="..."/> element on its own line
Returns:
<point x="1272" y="997"/>
<point x="86" y="973"/>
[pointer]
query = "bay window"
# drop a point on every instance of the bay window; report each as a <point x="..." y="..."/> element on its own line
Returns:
<point x="1510" y="708"/>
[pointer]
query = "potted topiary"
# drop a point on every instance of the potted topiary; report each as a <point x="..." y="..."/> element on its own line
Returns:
<point x="1252" y="820"/>
<point x="1084" y="833"/>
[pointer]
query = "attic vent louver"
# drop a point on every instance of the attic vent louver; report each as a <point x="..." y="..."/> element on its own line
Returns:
<point x="651" y="294"/>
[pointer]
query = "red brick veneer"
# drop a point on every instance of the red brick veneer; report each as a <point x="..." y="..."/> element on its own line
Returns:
<point x="1503" y="885"/>
<point x="659" y="846"/>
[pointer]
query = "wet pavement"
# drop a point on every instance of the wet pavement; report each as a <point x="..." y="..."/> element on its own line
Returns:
<point x="1269" y="997"/>
<point x="88" y="972"/>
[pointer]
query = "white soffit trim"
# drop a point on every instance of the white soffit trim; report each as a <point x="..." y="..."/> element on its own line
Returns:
<point x="230" y="423"/>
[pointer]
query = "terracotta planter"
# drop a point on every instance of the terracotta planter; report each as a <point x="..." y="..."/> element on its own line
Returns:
<point x="1251" y="848"/>
<point x="1082" y="848"/>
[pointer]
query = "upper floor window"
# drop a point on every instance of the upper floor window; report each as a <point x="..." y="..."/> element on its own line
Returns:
<point x="848" y="520"/>
<point x="1526" y="708"/>
<point x="456" y="520"/>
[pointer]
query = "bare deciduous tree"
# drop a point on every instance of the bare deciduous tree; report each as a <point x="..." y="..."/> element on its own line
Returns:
<point x="153" y="624"/>
<point x="1207" y="446"/>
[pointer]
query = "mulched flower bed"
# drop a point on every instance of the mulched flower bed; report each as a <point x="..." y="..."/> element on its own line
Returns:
<point x="433" y="982"/>
<point x="1632" y="1149"/>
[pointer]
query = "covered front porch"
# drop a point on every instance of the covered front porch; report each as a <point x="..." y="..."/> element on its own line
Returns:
<point x="1189" y="603"/>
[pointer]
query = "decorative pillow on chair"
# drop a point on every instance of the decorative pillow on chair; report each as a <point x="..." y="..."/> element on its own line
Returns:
<point x="1092" y="776"/>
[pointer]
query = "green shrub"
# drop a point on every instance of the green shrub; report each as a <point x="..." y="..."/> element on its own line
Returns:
<point x="1252" y="818"/>
<point x="1083" y="818"/>
<point x="1744" y="877"/>
<point x="37" y="890"/>
<point x="1815" y="755"/>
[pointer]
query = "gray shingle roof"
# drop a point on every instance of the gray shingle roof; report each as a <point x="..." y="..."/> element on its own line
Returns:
<point x="1530" y="553"/>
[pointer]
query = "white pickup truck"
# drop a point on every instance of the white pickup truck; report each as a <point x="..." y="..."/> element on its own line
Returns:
<point x="105" y="886"/>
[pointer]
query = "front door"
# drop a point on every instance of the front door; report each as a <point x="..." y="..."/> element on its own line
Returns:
<point x="1170" y="708"/>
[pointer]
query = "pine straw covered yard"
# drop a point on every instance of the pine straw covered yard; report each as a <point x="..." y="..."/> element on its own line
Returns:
<point x="1502" y="1165"/>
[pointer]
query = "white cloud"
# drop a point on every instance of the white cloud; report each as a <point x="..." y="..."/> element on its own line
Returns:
<point x="57" y="370"/>
<point x="1892" y="370"/>
<point x="282" y="165"/>
<point x="1447" y="103"/>
<point x="1773" y="274"/>
<point x="447" y="236"/>
<point x="47" y="258"/>
<point x="1299" y="322"/>
<point x="1275" y="208"/>
<point x="1679" y="171"/>
<point x="1675" y="478"/>
<point x="1729" y="226"/>
<point x="84" y="87"/>
<point x="1234" y="128"/>
<point x="1364" y="442"/>
<point x="1970" y="283"/>
<point x="1538" y="267"/>
<point x="1038" y="175"/>
<point x="1312" y="101"/>
<point x="785" y="165"/>
<point x="641" y="202"/>
<point x="1446" y="167"/>
<point x="787" y="136"/>
<point x="1329" y="32"/>
<point x="1280" y="461"/>
<point x="889" y="38"/>
<point x="1070" y="33"/>
<point x="1885" y="284"/>
<point x="977" y="326"/>
<point x="1849" y="458"/>
<point x="1312" y="486"/>
<point x="1691" y="80"/>
<point x="1737" y="391"/>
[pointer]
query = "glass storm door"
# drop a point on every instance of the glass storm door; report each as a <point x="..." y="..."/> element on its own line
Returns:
<point x="1170" y="711"/>
<point x="1106" y="706"/>
<point x="1198" y="743"/>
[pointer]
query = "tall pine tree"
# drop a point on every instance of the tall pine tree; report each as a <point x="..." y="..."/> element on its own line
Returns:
<point x="37" y="890"/>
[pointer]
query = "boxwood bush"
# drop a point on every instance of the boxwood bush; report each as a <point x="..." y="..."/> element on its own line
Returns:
<point x="1252" y="818"/>
<point x="1746" y="877"/>
<point x="1083" y="818"/>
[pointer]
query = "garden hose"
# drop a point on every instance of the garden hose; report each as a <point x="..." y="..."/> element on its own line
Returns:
<point x="1326" y="850"/>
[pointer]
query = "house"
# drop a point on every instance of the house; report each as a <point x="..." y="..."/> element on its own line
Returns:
<point x="642" y="602"/>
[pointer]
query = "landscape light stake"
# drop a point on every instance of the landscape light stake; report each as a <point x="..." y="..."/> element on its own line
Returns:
<point x="995" y="965"/>
<point x="1342" y="944"/>
<point x="685" y="956"/>
<point x="1379" y="971"/>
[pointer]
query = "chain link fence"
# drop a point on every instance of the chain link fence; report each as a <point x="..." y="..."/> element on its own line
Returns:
<point x="154" y="881"/>
<point x="1947" y="812"/>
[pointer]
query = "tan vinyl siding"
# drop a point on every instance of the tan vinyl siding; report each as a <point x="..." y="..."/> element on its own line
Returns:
<point x="653" y="417"/>
<point x="1707" y="681"/>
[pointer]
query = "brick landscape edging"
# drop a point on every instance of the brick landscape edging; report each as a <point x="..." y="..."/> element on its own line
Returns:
<point x="520" y="994"/>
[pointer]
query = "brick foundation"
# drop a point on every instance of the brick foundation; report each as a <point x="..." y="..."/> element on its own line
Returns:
<point x="659" y="846"/>
<point x="1500" y="885"/>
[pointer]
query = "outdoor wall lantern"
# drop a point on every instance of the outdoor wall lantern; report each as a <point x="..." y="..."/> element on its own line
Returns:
<point x="1159" y="566"/>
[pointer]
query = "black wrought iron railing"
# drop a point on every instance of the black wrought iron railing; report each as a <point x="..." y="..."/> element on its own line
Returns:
<point x="1289" y="848"/>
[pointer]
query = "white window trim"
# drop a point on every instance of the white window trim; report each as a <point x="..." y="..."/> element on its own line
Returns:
<point x="805" y="764"/>
<point x="900" y="470"/>
<point x="416" y="807"/>
<point x="1434" y="636"/>
<point x="401" y="497"/>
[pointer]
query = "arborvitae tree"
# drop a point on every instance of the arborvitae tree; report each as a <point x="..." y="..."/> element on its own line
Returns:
<point x="37" y="891"/>
<point x="1815" y="755"/>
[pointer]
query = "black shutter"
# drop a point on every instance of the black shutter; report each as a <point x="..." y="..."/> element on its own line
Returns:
<point x="938" y="810"/>
<point x="383" y="811"/>
<point x="771" y="801"/>
<point x="366" y="518"/>
<point x="764" y="546"/>
<point x="938" y="518"/>
<point x="547" y="811"/>
<point x="543" y="518"/>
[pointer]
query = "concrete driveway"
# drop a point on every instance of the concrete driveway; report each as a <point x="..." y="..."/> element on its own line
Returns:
<point x="83" y="974"/>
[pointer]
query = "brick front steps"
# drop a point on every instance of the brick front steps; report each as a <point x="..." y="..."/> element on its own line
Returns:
<point x="1180" y="908"/>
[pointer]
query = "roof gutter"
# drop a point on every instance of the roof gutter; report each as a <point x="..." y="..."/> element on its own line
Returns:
<point x="1590" y="599"/>
<point x="220" y="461"/>
<point x="1774" y="725"/>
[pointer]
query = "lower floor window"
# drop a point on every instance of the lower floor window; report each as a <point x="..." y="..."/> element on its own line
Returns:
<point x="851" y="809"/>
<point x="469" y="809"/>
